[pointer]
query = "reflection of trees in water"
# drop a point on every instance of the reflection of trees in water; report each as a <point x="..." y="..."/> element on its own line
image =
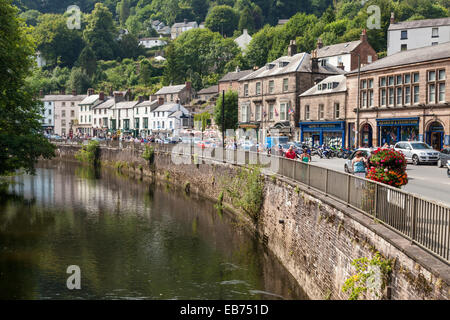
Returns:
<point x="156" y="244"/>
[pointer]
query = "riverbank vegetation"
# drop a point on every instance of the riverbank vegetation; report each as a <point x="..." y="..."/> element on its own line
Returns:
<point x="89" y="153"/>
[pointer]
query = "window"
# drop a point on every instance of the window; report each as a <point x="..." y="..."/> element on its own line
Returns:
<point x="321" y="112"/>
<point x="258" y="113"/>
<point x="63" y="123"/>
<point x="90" y="118"/>
<point x="391" y="96"/>
<point x="63" y="113"/>
<point x="72" y="104"/>
<point x="404" y="34"/>
<point x="382" y="82"/>
<point x="170" y="124"/>
<point x="383" y="97"/>
<point x="435" y="33"/>
<point x="104" y="111"/>
<point x="364" y="84"/>
<point x="364" y="99"/>
<point x="398" y="79"/>
<point x="370" y="98"/>
<point x="407" y="95"/>
<point x="329" y="85"/>
<point x="307" y="112"/>
<point x="271" y="86"/>
<point x="283" y="111"/>
<point x="49" y="111"/>
<point x="407" y="78"/>
<point x="63" y="104"/>
<point x="145" y="123"/>
<point x="399" y="96"/>
<point x="441" y="92"/>
<point x="434" y="43"/>
<point x="432" y="93"/>
<point x="246" y="90"/>
<point x="285" y="85"/>
<point x="416" y="94"/>
<point x="431" y="75"/>
<point x="258" y="88"/>
<point x="271" y="111"/>
<point x="171" y="97"/>
<point x="404" y="47"/>
<point x="95" y="111"/>
<point x="72" y="114"/>
<point x="441" y="75"/>
<point x="391" y="80"/>
<point x="370" y="83"/>
<point x="337" y="110"/>
<point x="415" y="77"/>
<point x="95" y="120"/>
<point x="245" y="113"/>
<point x="369" y="59"/>
<point x="137" y="110"/>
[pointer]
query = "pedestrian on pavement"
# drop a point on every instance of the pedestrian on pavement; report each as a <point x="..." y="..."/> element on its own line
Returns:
<point x="305" y="156"/>
<point x="359" y="164"/>
<point x="290" y="154"/>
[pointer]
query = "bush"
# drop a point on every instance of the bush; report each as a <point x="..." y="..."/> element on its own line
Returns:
<point x="89" y="153"/>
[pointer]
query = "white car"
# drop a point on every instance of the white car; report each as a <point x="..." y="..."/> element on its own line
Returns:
<point x="348" y="167"/>
<point x="417" y="152"/>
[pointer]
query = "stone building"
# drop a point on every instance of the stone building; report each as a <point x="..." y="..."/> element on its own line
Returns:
<point x="182" y="93"/>
<point x="269" y="96"/>
<point x="180" y="27"/>
<point x="346" y="54"/>
<point x="322" y="113"/>
<point x="208" y="93"/>
<point x="230" y="81"/>
<point x="404" y="96"/>
<point x="65" y="112"/>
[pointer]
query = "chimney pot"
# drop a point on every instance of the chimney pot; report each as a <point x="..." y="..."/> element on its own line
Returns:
<point x="101" y="95"/>
<point x="140" y="99"/>
<point x="314" y="61"/>
<point x="392" y="18"/>
<point x="292" y="49"/>
<point x="319" y="43"/>
<point x="41" y="93"/>
<point x="74" y="92"/>
<point x="363" y="36"/>
<point x="160" y="101"/>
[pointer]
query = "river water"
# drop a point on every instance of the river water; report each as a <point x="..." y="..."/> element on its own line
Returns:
<point x="131" y="239"/>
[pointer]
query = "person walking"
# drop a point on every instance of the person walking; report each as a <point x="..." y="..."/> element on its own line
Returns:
<point x="359" y="165"/>
<point x="305" y="156"/>
<point x="290" y="154"/>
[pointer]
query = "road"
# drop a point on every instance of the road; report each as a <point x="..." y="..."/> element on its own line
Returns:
<point x="427" y="181"/>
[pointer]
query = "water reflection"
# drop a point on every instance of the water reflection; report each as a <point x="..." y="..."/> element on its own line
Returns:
<point x="131" y="239"/>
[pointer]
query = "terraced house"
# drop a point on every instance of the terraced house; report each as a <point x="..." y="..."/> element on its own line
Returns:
<point x="404" y="96"/>
<point x="268" y="97"/>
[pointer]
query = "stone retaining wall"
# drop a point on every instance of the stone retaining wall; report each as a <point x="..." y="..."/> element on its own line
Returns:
<point x="314" y="236"/>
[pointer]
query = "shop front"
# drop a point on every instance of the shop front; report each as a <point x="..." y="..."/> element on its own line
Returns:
<point x="393" y="130"/>
<point x="435" y="135"/>
<point x="331" y="134"/>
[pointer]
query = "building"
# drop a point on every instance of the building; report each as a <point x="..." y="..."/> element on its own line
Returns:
<point x="230" y="81"/>
<point x="40" y="60"/>
<point x="85" y="112"/>
<point x="182" y="92"/>
<point x="168" y="119"/>
<point x="346" y="54"/>
<point x="102" y="115"/>
<point x="322" y="113"/>
<point x="65" y="110"/>
<point x="209" y="93"/>
<point x="152" y="42"/>
<point x="269" y="97"/>
<point x="180" y="27"/>
<point x="142" y="114"/>
<point x="404" y="96"/>
<point x="415" y="34"/>
<point x="243" y="40"/>
<point x="48" y="115"/>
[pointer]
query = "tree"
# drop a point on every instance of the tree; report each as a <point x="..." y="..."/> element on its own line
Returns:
<point x="30" y="17"/>
<point x="123" y="11"/>
<point x="87" y="61"/>
<point x="128" y="47"/>
<point x="246" y="20"/>
<point x="78" y="80"/>
<point x="21" y="140"/>
<point x="57" y="43"/>
<point x="100" y="33"/>
<point x="231" y="110"/>
<point x="222" y="19"/>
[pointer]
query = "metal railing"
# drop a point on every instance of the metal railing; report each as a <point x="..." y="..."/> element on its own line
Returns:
<point x="424" y="222"/>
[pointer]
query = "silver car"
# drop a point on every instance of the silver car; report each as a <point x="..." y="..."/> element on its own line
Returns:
<point x="348" y="167"/>
<point x="417" y="152"/>
<point x="444" y="156"/>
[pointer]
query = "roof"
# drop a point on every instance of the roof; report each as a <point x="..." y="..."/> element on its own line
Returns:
<point x="440" y="51"/>
<point x="341" y="87"/>
<point x="420" y="24"/>
<point x="235" y="76"/>
<point x="243" y="40"/>
<point x="125" y="104"/>
<point x="63" y="97"/>
<point x="209" y="90"/>
<point x="171" y="107"/>
<point x="183" y="24"/>
<point x="171" y="89"/>
<point x="151" y="38"/>
<point x="337" y="49"/>
<point x="300" y="62"/>
<point x="105" y="105"/>
<point x="90" y="99"/>
<point x="148" y="103"/>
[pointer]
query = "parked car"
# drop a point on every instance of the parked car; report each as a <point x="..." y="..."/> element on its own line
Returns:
<point x="444" y="156"/>
<point x="417" y="152"/>
<point x="448" y="168"/>
<point x="367" y="152"/>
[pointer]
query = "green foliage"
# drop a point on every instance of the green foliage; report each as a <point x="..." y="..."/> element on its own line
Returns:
<point x="78" y="80"/>
<point x="149" y="154"/>
<point x="89" y="153"/>
<point x="223" y="19"/>
<point x="246" y="191"/>
<point x="365" y="272"/>
<point x="87" y="61"/>
<point x="231" y="110"/>
<point x="21" y="140"/>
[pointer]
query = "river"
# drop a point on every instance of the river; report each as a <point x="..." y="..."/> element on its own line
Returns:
<point x="130" y="238"/>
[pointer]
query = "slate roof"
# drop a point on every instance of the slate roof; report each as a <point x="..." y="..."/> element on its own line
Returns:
<point x="440" y="51"/>
<point x="147" y="103"/>
<point x="171" y="89"/>
<point x="209" y="90"/>
<point x="63" y="97"/>
<point x="235" y="76"/>
<point x="341" y="87"/>
<point x="300" y="62"/>
<point x="105" y="105"/>
<point x="89" y="99"/>
<point x="337" y="49"/>
<point x="125" y="104"/>
<point x="187" y="24"/>
<point x="420" y="24"/>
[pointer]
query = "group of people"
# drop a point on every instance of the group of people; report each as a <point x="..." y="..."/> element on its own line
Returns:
<point x="304" y="156"/>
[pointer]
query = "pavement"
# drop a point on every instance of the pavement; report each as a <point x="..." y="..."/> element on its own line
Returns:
<point x="425" y="180"/>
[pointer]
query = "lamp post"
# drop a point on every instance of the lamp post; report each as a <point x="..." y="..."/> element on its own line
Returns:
<point x="358" y="103"/>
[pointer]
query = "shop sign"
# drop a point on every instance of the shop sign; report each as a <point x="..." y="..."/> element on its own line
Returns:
<point x="397" y="122"/>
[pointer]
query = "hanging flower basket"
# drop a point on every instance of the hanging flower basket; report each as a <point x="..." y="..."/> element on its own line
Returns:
<point x="389" y="167"/>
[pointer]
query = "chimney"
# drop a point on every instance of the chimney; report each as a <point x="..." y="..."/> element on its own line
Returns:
<point x="118" y="96"/>
<point x="319" y="43"/>
<point x="90" y="92"/>
<point x="392" y="18"/>
<point x="111" y="92"/>
<point x="74" y="92"/>
<point x="238" y="69"/>
<point x="292" y="49"/>
<point x="101" y="96"/>
<point x="185" y="21"/>
<point x="341" y="66"/>
<point x="255" y="68"/>
<point x="314" y="61"/>
<point x="245" y="31"/>
<point x="140" y="99"/>
<point x="128" y="94"/>
<point x="188" y="85"/>
<point x="62" y="91"/>
<point x="160" y="101"/>
<point x="363" y="36"/>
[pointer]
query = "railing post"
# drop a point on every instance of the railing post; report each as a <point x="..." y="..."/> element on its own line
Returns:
<point x="293" y="169"/>
<point x="309" y="176"/>
<point x="348" y="190"/>
<point x="326" y="183"/>
<point x="413" y="222"/>
<point x="376" y="200"/>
